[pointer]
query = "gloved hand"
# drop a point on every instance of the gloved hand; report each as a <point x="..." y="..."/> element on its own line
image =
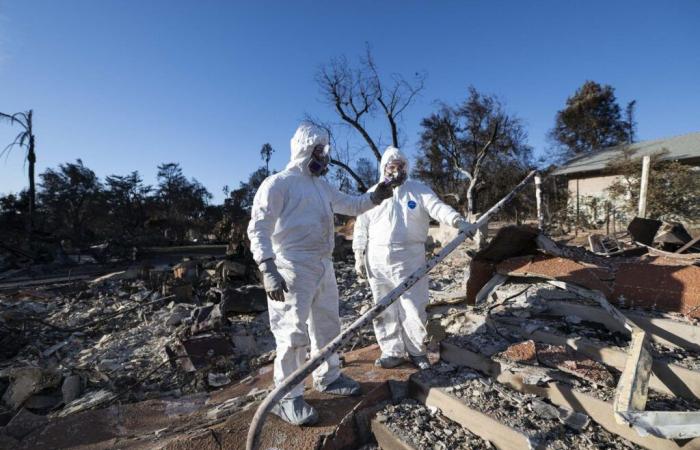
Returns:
<point x="360" y="268"/>
<point x="275" y="286"/>
<point x="461" y="223"/>
<point x="381" y="193"/>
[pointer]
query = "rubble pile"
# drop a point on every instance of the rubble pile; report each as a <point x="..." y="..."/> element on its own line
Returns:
<point x="149" y="332"/>
<point x="537" y="321"/>
<point x="546" y="425"/>
<point x="498" y="331"/>
<point x="555" y="427"/>
<point x="425" y="428"/>
<point x="529" y="340"/>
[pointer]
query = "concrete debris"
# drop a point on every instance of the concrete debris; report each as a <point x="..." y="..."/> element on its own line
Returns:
<point x="71" y="388"/>
<point x="119" y="339"/>
<point x="569" y="361"/>
<point x="574" y="420"/>
<point x="25" y="381"/>
<point x="672" y="235"/>
<point x="237" y="404"/>
<point x="88" y="401"/>
<point x="217" y="380"/>
<point x="423" y="428"/>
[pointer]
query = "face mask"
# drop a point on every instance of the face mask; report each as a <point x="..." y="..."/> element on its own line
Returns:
<point x="318" y="164"/>
<point x="395" y="174"/>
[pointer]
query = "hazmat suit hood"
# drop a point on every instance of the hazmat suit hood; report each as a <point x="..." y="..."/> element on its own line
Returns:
<point x="391" y="153"/>
<point x="302" y="145"/>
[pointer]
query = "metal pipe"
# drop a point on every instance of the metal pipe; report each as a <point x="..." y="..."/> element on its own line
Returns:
<point x="316" y="360"/>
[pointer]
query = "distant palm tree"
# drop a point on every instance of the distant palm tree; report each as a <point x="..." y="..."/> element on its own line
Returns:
<point x="24" y="139"/>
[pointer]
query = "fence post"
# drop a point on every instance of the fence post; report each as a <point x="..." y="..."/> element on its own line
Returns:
<point x="538" y="197"/>
<point x="646" y="162"/>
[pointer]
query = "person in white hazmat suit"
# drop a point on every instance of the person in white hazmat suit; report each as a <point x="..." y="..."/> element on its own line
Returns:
<point x="291" y="234"/>
<point x="389" y="245"/>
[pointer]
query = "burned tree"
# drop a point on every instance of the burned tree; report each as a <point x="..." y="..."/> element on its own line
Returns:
<point x="182" y="202"/>
<point x="25" y="139"/>
<point x="70" y="197"/>
<point x="459" y="145"/>
<point x="358" y="94"/>
<point x="128" y="202"/>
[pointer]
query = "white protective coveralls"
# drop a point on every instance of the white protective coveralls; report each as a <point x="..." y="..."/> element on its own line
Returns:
<point x="292" y="222"/>
<point x="393" y="237"/>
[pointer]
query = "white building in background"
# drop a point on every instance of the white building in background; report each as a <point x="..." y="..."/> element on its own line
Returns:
<point x="589" y="176"/>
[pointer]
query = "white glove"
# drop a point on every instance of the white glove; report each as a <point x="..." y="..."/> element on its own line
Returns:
<point x="275" y="286"/>
<point x="360" y="268"/>
<point x="461" y="224"/>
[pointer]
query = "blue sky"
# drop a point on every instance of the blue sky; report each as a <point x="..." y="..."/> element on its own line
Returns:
<point x="125" y="85"/>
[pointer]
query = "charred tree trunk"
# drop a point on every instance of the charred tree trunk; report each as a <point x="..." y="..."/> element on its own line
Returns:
<point x="31" y="159"/>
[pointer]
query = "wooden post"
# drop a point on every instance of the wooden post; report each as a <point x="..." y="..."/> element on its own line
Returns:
<point x="538" y="197"/>
<point x="578" y="208"/>
<point x="646" y="161"/>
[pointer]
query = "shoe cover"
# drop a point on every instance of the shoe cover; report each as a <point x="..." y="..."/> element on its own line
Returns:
<point x="295" y="411"/>
<point x="389" y="362"/>
<point x="343" y="385"/>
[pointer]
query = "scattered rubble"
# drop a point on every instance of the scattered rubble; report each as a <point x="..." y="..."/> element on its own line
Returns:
<point x="201" y="325"/>
<point x="425" y="428"/>
<point x="135" y="334"/>
<point x="548" y="425"/>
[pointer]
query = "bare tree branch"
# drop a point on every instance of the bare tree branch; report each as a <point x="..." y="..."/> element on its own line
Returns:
<point x="360" y="184"/>
<point x="400" y="95"/>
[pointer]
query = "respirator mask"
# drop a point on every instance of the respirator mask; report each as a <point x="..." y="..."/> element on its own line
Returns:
<point x="395" y="173"/>
<point x="320" y="158"/>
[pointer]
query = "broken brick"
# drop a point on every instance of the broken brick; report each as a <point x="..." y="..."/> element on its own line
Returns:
<point x="522" y="352"/>
<point x="26" y="381"/>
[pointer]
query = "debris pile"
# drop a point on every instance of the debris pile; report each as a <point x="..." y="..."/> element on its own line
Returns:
<point x="543" y="337"/>
<point x="149" y="331"/>
<point x="669" y="239"/>
<point x="541" y="346"/>
<point x="425" y="428"/>
<point x="545" y="425"/>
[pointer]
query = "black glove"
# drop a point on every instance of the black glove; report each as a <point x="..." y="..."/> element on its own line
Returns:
<point x="381" y="193"/>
